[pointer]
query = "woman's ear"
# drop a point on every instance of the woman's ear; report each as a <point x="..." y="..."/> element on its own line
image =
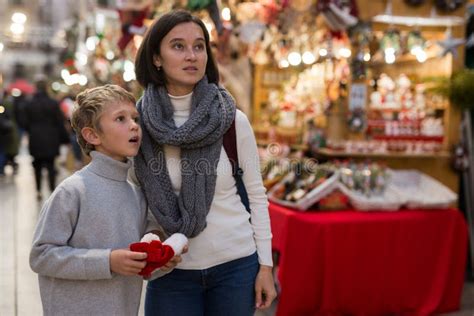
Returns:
<point x="157" y="61"/>
<point x="91" y="136"/>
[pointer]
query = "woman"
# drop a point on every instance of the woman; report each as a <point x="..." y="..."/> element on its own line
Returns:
<point x="187" y="178"/>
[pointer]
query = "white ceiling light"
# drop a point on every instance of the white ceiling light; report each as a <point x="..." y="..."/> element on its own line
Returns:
<point x="17" y="28"/>
<point x="19" y="18"/>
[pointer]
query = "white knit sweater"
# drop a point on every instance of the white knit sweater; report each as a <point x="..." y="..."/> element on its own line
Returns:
<point x="229" y="235"/>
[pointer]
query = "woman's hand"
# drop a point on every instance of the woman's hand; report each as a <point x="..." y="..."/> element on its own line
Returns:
<point x="265" y="291"/>
<point x="170" y="265"/>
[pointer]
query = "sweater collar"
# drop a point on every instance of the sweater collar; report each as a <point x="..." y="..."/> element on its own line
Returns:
<point x="104" y="166"/>
<point x="181" y="102"/>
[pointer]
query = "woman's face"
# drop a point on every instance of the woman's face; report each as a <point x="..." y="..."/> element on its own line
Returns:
<point x="183" y="58"/>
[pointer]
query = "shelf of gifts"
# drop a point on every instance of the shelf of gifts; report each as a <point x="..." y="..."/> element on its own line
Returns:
<point x="293" y="147"/>
<point x="384" y="148"/>
<point x="413" y="138"/>
<point x="428" y="129"/>
<point x="379" y="61"/>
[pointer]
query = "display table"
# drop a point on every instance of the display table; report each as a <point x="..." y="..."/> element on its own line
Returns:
<point x="358" y="263"/>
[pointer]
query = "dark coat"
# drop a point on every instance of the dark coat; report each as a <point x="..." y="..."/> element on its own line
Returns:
<point x="9" y="138"/>
<point x="44" y="123"/>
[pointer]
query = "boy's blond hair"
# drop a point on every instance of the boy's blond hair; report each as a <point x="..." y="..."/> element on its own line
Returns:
<point x="89" y="107"/>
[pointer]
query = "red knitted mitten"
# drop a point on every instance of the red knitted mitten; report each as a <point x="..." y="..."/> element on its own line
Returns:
<point x="158" y="255"/>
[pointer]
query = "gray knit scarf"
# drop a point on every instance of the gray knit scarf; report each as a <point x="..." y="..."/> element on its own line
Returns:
<point x="200" y="140"/>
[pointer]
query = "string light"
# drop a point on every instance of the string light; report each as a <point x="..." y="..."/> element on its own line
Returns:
<point x="294" y="58"/>
<point x="308" y="58"/>
<point x="226" y="14"/>
<point x="19" y="18"/>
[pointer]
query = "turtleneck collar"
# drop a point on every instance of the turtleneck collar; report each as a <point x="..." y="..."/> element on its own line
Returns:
<point x="104" y="166"/>
<point x="181" y="102"/>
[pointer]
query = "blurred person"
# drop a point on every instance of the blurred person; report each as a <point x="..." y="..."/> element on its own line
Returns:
<point x="44" y="123"/>
<point x="9" y="137"/>
<point x="19" y="104"/>
<point x="5" y="129"/>
<point x="67" y="105"/>
<point x="187" y="177"/>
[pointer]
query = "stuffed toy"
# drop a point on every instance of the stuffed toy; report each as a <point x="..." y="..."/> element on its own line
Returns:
<point x="158" y="253"/>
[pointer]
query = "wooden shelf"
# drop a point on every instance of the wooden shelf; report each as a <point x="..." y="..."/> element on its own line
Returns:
<point x="302" y="147"/>
<point x="337" y="153"/>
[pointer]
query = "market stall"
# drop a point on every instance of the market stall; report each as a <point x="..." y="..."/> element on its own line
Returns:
<point x="356" y="143"/>
<point x="369" y="91"/>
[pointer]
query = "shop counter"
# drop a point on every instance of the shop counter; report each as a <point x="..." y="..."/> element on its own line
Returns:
<point x="409" y="262"/>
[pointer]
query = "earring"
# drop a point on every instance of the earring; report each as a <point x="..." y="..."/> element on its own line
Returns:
<point x="158" y="68"/>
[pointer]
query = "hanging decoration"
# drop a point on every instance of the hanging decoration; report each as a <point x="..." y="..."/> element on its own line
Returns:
<point x="448" y="5"/>
<point x="450" y="44"/>
<point x="390" y="45"/>
<point x="269" y="11"/>
<point x="360" y="39"/>
<point x="213" y="10"/>
<point x="69" y="63"/>
<point x="414" y="3"/>
<point x="360" y="33"/>
<point x="470" y="41"/>
<point x="357" y="120"/>
<point x="358" y="66"/>
<point x="132" y="14"/>
<point x="416" y="45"/>
<point x="339" y="15"/>
<point x="415" y="40"/>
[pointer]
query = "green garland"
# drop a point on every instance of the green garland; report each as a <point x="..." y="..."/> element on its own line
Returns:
<point x="459" y="89"/>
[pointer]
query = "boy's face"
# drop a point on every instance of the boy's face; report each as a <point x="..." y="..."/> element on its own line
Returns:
<point x="120" y="133"/>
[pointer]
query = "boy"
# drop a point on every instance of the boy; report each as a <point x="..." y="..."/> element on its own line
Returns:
<point x="80" y="246"/>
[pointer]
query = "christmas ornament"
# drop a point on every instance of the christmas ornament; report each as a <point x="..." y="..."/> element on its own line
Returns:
<point x="360" y="33"/>
<point x="390" y="45"/>
<point x="460" y="160"/>
<point x="269" y="11"/>
<point x="213" y="10"/>
<point x="132" y="15"/>
<point x="69" y="63"/>
<point x="414" y="3"/>
<point x="391" y="40"/>
<point x="338" y="14"/>
<point x="448" y="5"/>
<point x="357" y="121"/>
<point x="450" y="45"/>
<point x="470" y="41"/>
<point x="415" y="40"/>
<point x="358" y="67"/>
<point x="251" y="32"/>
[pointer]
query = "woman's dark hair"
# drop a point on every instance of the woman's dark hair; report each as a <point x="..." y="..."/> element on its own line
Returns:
<point x="145" y="69"/>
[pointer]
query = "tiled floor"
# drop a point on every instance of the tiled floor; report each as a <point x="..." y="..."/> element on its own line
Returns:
<point x="19" y="294"/>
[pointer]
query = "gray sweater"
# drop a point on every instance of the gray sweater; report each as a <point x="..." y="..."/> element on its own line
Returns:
<point x="89" y="214"/>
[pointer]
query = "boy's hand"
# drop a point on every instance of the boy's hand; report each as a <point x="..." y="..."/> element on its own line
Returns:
<point x="265" y="291"/>
<point x="126" y="262"/>
<point x="170" y="265"/>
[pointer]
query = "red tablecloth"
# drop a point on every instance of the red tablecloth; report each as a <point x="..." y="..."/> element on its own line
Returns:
<point x="357" y="263"/>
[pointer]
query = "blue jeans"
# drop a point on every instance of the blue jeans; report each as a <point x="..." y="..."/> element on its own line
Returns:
<point x="227" y="289"/>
